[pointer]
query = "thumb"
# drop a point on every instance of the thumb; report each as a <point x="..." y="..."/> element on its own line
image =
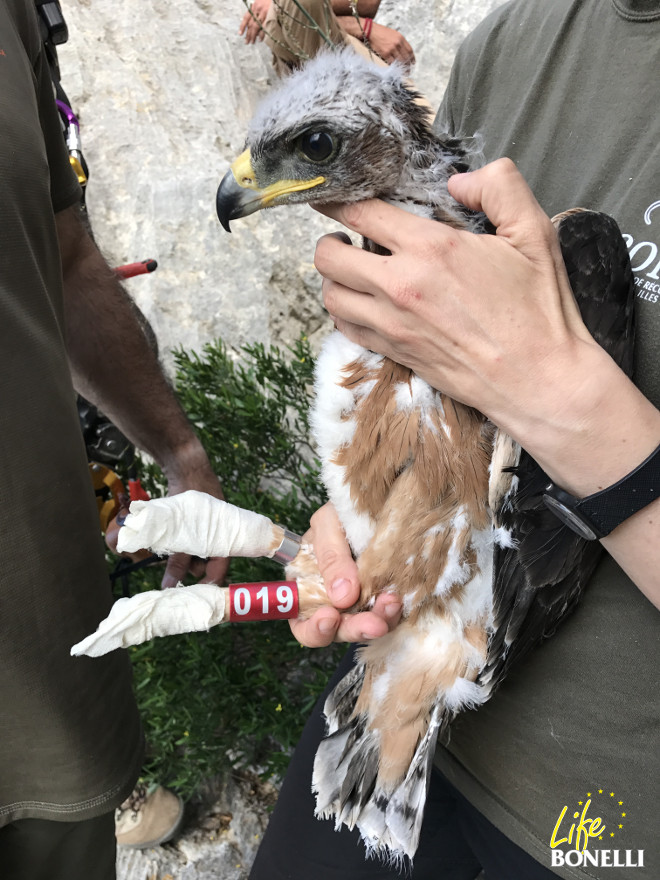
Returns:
<point x="334" y="557"/>
<point x="501" y="192"/>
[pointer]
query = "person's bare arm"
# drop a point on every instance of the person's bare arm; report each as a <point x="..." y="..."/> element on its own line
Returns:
<point x="367" y="8"/>
<point x="491" y="321"/>
<point x="113" y="365"/>
<point x="252" y="21"/>
<point x="386" y="42"/>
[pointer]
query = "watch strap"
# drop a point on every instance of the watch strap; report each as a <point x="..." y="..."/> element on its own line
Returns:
<point x="610" y="507"/>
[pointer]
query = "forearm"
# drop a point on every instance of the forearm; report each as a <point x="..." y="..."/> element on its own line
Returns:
<point x="367" y="8"/>
<point x="588" y="426"/>
<point x="592" y="428"/>
<point x="111" y="360"/>
<point x="352" y="26"/>
<point x="385" y="42"/>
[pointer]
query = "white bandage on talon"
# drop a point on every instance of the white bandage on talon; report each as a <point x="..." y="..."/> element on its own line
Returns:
<point x="199" y="525"/>
<point x="156" y="613"/>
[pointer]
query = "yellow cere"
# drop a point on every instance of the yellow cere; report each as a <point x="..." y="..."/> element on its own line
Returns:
<point x="245" y="177"/>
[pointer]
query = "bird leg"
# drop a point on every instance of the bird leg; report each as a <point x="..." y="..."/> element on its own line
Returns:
<point x="200" y="525"/>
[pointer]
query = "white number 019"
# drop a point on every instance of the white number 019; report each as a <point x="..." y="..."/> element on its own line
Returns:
<point x="283" y="596"/>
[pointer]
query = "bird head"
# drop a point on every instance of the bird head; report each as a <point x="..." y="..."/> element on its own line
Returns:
<point x="337" y="130"/>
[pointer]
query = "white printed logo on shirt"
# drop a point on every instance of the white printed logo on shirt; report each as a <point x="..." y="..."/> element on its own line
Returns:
<point x="645" y="257"/>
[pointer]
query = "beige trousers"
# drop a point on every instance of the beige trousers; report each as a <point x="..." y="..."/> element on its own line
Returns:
<point x="293" y="38"/>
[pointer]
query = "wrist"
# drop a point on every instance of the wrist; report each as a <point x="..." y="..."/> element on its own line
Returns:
<point x="600" y="513"/>
<point x="592" y="426"/>
<point x="367" y="25"/>
<point x="187" y="463"/>
<point x="354" y="27"/>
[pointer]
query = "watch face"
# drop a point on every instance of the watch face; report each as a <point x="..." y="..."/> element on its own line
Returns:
<point x="569" y="517"/>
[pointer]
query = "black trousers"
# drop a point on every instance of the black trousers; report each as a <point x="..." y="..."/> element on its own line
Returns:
<point x="457" y="842"/>
<point x="38" y="849"/>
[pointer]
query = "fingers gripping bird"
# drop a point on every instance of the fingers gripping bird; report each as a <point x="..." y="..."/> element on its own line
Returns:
<point x="438" y="506"/>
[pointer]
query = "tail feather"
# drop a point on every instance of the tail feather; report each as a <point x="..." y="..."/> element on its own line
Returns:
<point x="345" y="781"/>
<point x="405" y="811"/>
<point x="345" y="760"/>
<point x="345" y="770"/>
<point x="376" y="836"/>
<point x="372" y="770"/>
<point x="359" y="784"/>
<point x="340" y="703"/>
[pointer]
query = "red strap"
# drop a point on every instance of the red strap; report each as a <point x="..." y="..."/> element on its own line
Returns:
<point x="136" y="492"/>
<point x="273" y="600"/>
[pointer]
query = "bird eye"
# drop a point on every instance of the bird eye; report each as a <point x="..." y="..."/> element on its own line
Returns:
<point x="316" y="145"/>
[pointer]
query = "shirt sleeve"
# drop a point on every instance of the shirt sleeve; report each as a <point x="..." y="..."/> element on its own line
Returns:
<point x="466" y="80"/>
<point x="450" y="114"/>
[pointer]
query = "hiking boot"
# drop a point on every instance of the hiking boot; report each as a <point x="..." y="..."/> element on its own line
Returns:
<point x="148" y="817"/>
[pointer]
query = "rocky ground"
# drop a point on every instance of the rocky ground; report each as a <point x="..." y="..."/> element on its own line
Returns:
<point x="220" y="836"/>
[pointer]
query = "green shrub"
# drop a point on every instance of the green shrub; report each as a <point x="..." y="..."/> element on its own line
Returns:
<point x="239" y="694"/>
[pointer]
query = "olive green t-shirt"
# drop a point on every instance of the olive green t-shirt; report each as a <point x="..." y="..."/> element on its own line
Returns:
<point x="569" y="90"/>
<point x="70" y="739"/>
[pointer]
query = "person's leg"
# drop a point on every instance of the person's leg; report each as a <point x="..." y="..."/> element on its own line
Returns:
<point x="502" y="858"/>
<point x="297" y="846"/>
<point x="38" y="849"/>
<point x="289" y="34"/>
<point x="291" y="37"/>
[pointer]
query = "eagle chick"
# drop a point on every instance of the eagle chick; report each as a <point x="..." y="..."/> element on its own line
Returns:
<point x="438" y="507"/>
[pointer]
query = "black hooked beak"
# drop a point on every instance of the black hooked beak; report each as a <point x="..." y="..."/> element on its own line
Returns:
<point x="235" y="199"/>
<point x="239" y="194"/>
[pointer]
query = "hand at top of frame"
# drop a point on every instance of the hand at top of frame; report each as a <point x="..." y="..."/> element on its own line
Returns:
<point x="251" y="22"/>
<point x="491" y="321"/>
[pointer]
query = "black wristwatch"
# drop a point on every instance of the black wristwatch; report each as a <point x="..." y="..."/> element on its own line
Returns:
<point x="598" y="514"/>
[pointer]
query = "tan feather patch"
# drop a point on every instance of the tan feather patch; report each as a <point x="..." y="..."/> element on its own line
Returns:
<point x="415" y="470"/>
<point x="448" y="445"/>
<point x="402" y="684"/>
<point x="506" y="454"/>
<point x="312" y="594"/>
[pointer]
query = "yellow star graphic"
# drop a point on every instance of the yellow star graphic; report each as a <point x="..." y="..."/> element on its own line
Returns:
<point x="600" y="791"/>
<point x="588" y="794"/>
<point x="620" y="826"/>
<point x="611" y="794"/>
<point x="579" y="803"/>
<point x="623" y="814"/>
<point x="611" y="834"/>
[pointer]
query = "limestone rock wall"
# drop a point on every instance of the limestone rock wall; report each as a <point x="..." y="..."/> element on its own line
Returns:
<point x="164" y="90"/>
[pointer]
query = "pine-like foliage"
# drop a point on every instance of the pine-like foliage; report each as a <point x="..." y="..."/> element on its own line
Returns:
<point x="239" y="694"/>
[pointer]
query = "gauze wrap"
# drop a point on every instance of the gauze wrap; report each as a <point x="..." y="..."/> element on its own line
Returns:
<point x="155" y="613"/>
<point x="196" y="524"/>
<point x="193" y="523"/>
